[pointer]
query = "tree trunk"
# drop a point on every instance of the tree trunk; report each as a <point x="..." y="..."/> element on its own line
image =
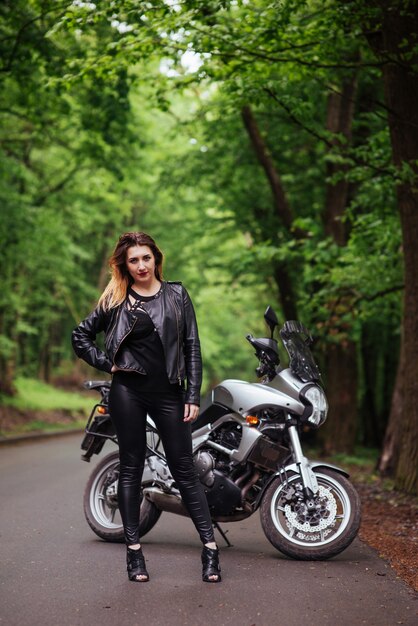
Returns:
<point x="341" y="362"/>
<point x="379" y="364"/>
<point x="340" y="112"/>
<point x="368" y="413"/>
<point x="396" y="45"/>
<point x="7" y="377"/>
<point x="260" y="148"/>
<point x="285" y="287"/>
<point x="340" y="430"/>
<point x="283" y="213"/>
<point x="389" y="455"/>
<point x="7" y="359"/>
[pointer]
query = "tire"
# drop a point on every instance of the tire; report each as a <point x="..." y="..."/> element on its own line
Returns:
<point x="101" y="503"/>
<point x="311" y="536"/>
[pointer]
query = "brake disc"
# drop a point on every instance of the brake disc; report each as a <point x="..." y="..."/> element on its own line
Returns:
<point x="307" y="521"/>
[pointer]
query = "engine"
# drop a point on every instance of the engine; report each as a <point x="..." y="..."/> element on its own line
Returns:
<point x="222" y="494"/>
<point x="229" y="435"/>
<point x="214" y="470"/>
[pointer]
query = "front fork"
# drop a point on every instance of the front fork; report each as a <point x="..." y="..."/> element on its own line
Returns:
<point x="309" y="482"/>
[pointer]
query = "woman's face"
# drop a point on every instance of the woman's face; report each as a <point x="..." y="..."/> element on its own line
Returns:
<point x="140" y="263"/>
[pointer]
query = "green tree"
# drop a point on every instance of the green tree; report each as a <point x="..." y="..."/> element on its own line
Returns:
<point x="269" y="159"/>
<point x="392" y="30"/>
<point x="64" y="147"/>
<point x="301" y="79"/>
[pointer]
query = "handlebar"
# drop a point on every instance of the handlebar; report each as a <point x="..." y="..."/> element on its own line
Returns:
<point x="96" y="384"/>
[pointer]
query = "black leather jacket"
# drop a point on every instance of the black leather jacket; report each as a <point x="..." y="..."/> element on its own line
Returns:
<point x="173" y="316"/>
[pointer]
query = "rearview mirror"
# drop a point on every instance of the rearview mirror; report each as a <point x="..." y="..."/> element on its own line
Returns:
<point x="271" y="319"/>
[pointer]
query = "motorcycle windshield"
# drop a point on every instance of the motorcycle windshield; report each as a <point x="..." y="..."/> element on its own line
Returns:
<point x="296" y="339"/>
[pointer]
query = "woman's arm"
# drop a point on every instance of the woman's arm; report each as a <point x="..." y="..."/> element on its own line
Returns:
<point x="192" y="354"/>
<point x="83" y="341"/>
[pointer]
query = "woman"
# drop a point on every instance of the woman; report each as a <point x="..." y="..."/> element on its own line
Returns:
<point x="152" y="348"/>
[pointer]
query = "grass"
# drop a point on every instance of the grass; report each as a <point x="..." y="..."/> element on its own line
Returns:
<point x="361" y="457"/>
<point x="39" y="407"/>
<point x="362" y="467"/>
<point x="35" y="395"/>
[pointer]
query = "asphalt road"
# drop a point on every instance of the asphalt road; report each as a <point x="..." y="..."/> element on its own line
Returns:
<point x="55" y="572"/>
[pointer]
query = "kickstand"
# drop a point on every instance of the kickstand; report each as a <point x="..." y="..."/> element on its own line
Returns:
<point x="223" y="534"/>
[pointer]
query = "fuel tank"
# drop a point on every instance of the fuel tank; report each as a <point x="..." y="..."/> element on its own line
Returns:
<point x="244" y="398"/>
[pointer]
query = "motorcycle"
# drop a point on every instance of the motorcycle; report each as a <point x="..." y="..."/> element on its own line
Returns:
<point x="248" y="455"/>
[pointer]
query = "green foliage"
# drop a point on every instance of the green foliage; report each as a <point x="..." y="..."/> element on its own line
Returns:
<point x="128" y="115"/>
<point x="362" y="457"/>
<point x="36" y="395"/>
<point x="65" y="148"/>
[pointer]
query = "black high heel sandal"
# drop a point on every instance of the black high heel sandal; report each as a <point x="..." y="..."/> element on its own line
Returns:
<point x="210" y="563"/>
<point x="136" y="566"/>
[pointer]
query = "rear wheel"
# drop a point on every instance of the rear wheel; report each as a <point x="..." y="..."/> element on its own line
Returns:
<point x="101" y="503"/>
<point x="315" y="530"/>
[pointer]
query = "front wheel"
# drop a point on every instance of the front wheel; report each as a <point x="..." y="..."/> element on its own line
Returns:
<point x="101" y="503"/>
<point x="315" y="530"/>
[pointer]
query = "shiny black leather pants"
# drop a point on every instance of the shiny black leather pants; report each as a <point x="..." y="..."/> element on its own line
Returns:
<point x="128" y="410"/>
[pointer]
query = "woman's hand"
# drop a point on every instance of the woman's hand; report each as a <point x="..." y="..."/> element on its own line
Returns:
<point x="191" y="411"/>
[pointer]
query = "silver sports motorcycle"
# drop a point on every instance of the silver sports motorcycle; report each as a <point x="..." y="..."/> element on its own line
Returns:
<point x="248" y="455"/>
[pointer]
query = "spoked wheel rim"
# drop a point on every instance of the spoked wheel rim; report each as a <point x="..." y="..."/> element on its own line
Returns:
<point x="316" y="525"/>
<point x="103" y="497"/>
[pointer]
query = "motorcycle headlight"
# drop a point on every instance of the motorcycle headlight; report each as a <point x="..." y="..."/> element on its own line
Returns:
<point x="317" y="399"/>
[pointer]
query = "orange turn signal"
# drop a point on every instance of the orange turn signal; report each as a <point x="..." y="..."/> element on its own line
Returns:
<point x="252" y="420"/>
<point x="102" y="410"/>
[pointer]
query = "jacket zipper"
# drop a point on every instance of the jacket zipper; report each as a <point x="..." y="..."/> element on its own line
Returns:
<point x="178" y="340"/>
<point x="108" y="339"/>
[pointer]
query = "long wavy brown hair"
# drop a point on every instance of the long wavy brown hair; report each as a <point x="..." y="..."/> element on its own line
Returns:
<point x="116" y="289"/>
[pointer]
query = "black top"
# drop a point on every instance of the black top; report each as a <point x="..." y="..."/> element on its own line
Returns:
<point x="145" y="345"/>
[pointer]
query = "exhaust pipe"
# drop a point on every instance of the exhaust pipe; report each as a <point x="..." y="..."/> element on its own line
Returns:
<point x="173" y="504"/>
<point x="165" y="501"/>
